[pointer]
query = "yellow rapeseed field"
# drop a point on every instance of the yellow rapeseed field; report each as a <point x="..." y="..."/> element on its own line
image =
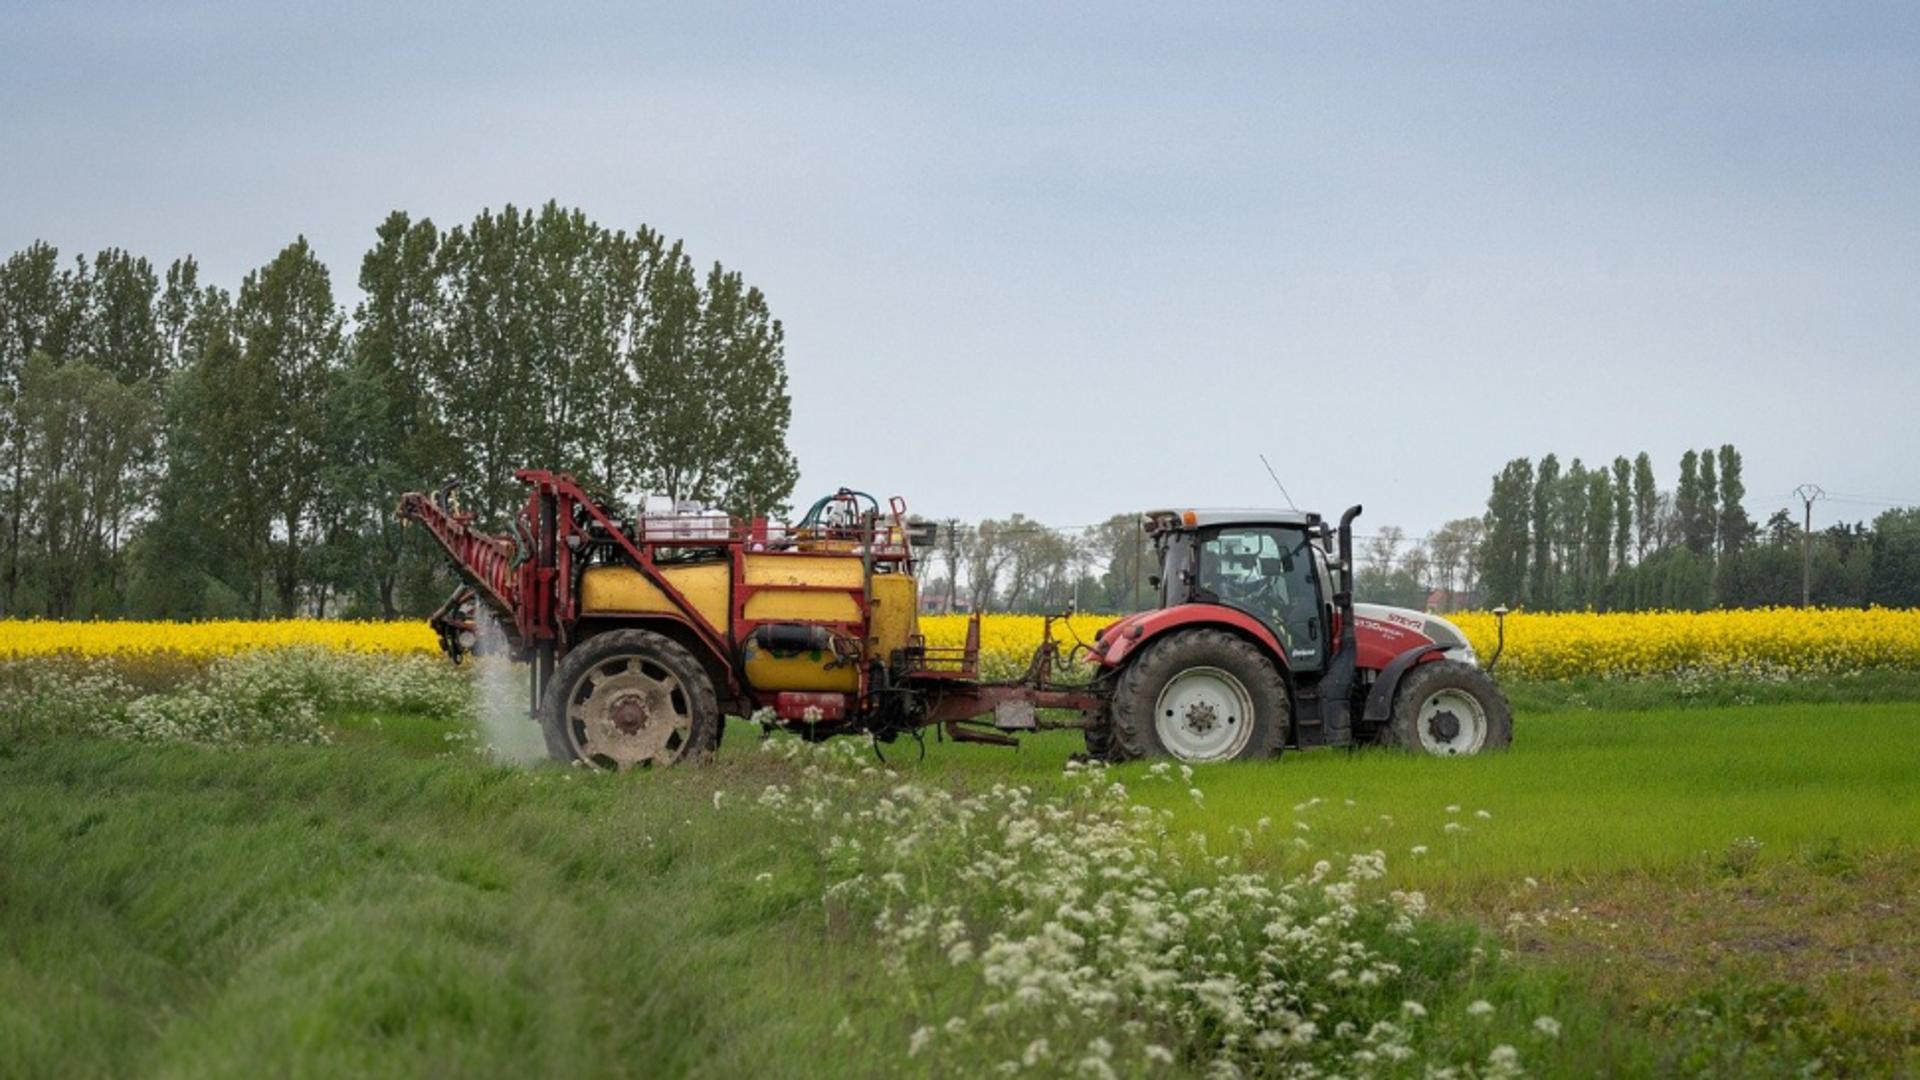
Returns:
<point x="1009" y="636"/>
<point x="198" y="640"/>
<point x="1772" y="643"/>
<point x="1766" y="642"/>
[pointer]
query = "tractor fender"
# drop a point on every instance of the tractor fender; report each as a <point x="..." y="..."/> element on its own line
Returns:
<point x="1116" y="642"/>
<point x="1380" y="698"/>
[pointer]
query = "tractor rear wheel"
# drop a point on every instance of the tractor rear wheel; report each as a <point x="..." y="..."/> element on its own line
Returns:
<point x="1199" y="696"/>
<point x="1449" y="709"/>
<point x="630" y="699"/>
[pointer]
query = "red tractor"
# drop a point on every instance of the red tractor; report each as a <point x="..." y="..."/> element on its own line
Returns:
<point x="1257" y="644"/>
<point x="644" y="633"/>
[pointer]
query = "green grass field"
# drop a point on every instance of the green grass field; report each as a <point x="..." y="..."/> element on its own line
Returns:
<point x="389" y="905"/>
<point x="1580" y="792"/>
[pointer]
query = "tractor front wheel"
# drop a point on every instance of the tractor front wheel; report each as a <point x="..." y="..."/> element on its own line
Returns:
<point x="1199" y="696"/>
<point x="1449" y="709"/>
<point x="630" y="699"/>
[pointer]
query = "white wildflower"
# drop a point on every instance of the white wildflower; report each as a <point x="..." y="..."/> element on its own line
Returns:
<point x="1157" y="1054"/>
<point x="1454" y="808"/>
<point x="1413" y="1009"/>
<point x="1483" y="815"/>
<point x="1548" y="1026"/>
<point x="1481" y="1009"/>
<point x="921" y="1037"/>
<point x="1418" y="849"/>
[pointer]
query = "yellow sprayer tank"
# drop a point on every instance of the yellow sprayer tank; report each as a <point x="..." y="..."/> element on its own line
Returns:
<point x="786" y="588"/>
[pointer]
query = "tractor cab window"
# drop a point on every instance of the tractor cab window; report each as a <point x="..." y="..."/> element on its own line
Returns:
<point x="1270" y="573"/>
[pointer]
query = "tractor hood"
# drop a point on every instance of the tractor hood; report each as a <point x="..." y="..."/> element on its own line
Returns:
<point x="1438" y="630"/>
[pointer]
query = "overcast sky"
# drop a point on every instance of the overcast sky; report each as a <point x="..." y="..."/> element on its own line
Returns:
<point x="1071" y="260"/>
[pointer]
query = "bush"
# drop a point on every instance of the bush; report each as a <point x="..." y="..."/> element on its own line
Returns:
<point x="275" y="696"/>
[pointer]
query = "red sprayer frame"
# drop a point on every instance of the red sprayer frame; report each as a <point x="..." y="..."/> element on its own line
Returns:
<point x="529" y="579"/>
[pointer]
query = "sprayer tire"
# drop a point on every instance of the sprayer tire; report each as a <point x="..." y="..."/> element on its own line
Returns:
<point x="1218" y="661"/>
<point x="658" y="676"/>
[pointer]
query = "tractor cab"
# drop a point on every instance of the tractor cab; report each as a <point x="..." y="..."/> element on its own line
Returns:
<point x="1270" y="564"/>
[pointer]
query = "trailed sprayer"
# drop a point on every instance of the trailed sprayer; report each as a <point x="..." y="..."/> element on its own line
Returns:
<point x="643" y="633"/>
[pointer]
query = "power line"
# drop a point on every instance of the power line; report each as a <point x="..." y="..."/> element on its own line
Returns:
<point x="1870" y="500"/>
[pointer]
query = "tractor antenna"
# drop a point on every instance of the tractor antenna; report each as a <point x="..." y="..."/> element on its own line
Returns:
<point x="1277" y="483"/>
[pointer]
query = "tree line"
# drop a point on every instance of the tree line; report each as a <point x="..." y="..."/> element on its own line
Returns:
<point x="1552" y="538"/>
<point x="173" y="448"/>
<point x="1610" y="538"/>
<point x="1017" y="564"/>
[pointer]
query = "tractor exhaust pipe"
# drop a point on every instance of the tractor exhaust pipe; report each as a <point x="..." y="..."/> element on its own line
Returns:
<point x="1336" y="694"/>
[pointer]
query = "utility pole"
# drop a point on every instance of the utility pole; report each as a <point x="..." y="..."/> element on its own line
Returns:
<point x="953" y="562"/>
<point x="1807" y="493"/>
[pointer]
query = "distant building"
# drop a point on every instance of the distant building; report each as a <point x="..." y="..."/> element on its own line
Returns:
<point x="933" y="601"/>
<point x="1441" y="601"/>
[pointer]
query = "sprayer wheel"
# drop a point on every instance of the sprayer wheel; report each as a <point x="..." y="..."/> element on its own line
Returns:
<point x="630" y="699"/>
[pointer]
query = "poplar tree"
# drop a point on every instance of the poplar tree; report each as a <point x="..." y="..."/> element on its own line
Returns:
<point x="1646" y="506"/>
<point x="1503" y="559"/>
<point x="1600" y="529"/>
<point x="1540" y="586"/>
<point x="1622" y="511"/>
<point x="1686" y="500"/>
<point x="1736" y="529"/>
<point x="1706" y="521"/>
<point x="1569" y="537"/>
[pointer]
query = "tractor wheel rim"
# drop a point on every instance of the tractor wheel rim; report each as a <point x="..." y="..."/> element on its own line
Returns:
<point x="628" y="712"/>
<point x="1452" y="723"/>
<point x="1204" y="714"/>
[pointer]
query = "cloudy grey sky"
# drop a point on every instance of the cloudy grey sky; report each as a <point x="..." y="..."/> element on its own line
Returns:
<point x="1068" y="260"/>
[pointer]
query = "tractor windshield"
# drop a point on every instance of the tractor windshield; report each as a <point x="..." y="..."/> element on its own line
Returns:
<point x="1269" y="572"/>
